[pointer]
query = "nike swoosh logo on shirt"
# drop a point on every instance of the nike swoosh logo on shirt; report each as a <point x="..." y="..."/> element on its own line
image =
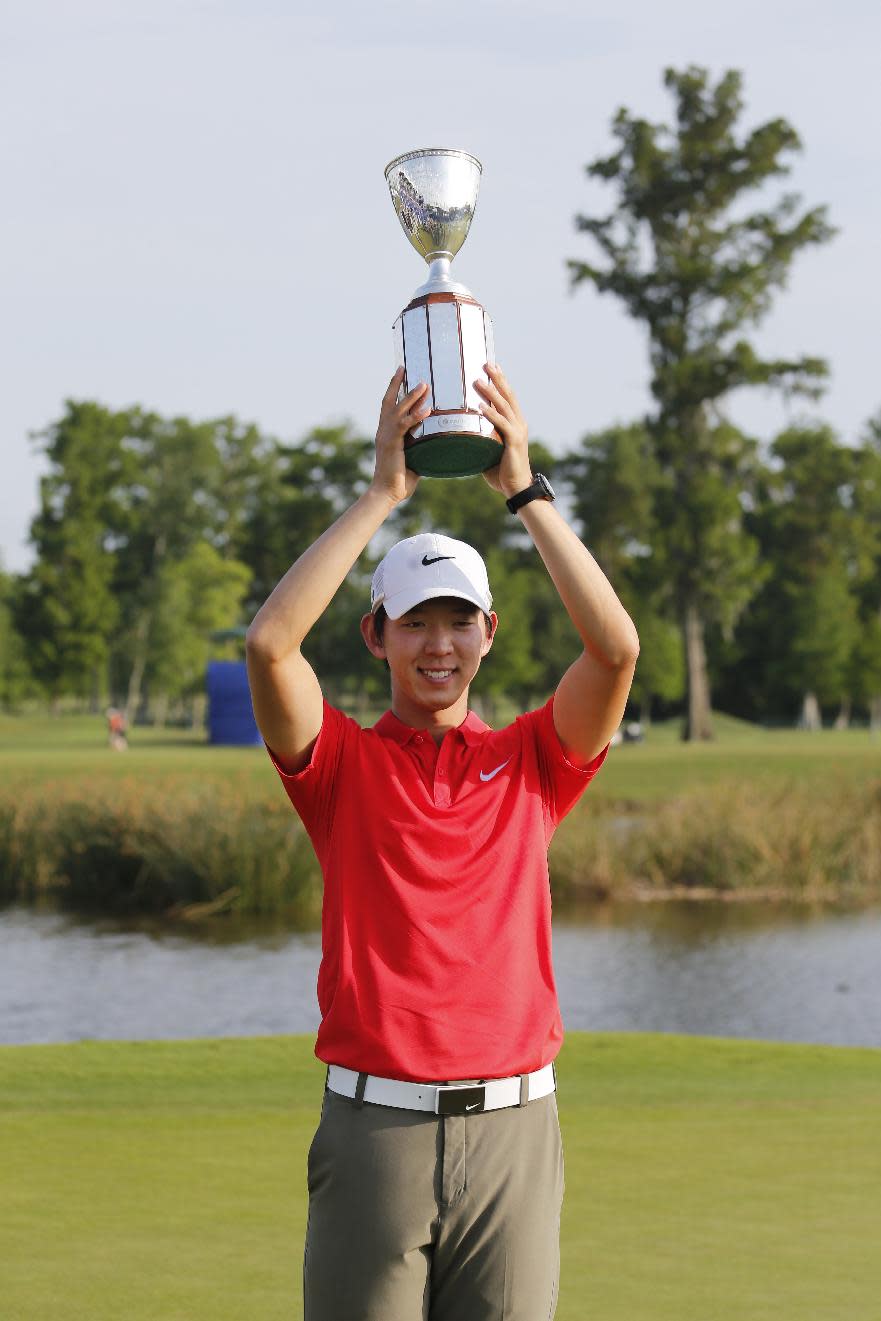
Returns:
<point x="488" y="776"/>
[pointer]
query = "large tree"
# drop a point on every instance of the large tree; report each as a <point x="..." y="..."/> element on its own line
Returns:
<point x="696" y="275"/>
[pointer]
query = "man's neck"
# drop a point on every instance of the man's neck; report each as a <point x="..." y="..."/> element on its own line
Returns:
<point x="435" y="723"/>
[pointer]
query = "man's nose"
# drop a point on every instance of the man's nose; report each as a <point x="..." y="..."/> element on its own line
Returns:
<point x="438" y="640"/>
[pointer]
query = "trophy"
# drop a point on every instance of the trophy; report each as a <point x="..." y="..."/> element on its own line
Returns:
<point x="443" y="336"/>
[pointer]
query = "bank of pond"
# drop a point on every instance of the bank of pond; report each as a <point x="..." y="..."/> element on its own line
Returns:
<point x="181" y="848"/>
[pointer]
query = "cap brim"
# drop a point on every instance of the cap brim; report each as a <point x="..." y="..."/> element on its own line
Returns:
<point x="398" y="605"/>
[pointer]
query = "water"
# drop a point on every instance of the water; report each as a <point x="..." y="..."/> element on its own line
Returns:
<point x="734" y="970"/>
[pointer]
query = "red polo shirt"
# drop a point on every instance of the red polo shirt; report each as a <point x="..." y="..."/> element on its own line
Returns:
<point x="436" y="918"/>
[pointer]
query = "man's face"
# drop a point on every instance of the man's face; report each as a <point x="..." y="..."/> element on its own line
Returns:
<point x="435" y="650"/>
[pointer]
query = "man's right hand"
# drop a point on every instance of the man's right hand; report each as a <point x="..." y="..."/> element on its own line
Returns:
<point x="392" y="476"/>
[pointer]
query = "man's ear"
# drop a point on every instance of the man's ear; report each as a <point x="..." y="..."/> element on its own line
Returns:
<point x="494" y="620"/>
<point x="371" y="641"/>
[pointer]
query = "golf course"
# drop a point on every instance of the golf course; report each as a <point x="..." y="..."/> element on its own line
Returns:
<point x="731" y="1180"/>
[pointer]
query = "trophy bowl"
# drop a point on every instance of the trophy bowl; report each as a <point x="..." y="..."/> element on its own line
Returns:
<point x="443" y="336"/>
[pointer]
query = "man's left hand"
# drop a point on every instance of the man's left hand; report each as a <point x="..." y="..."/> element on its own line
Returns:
<point x="513" y="473"/>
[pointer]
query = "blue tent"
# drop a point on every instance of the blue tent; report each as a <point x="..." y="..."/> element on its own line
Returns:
<point x="230" y="714"/>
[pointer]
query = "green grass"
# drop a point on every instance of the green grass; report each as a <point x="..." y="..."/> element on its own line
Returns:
<point x="35" y="749"/>
<point x="706" y="1180"/>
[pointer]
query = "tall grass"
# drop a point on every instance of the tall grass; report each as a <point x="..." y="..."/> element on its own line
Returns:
<point x="788" y="839"/>
<point x="190" y="849"/>
<point x="178" y="848"/>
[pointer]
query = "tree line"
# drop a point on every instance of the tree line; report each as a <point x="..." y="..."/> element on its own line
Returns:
<point x="154" y="535"/>
<point x="751" y="566"/>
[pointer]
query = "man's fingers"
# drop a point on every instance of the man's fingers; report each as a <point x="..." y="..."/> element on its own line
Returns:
<point x="391" y="406"/>
<point x="495" y="395"/>
<point x="500" y="381"/>
<point x="411" y="400"/>
<point x="493" y="415"/>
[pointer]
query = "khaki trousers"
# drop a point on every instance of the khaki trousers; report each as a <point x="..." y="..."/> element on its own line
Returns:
<point x="422" y="1217"/>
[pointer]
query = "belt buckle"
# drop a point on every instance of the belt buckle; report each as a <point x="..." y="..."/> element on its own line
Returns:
<point x="460" y="1100"/>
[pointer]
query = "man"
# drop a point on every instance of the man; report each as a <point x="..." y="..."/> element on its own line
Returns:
<point x="436" y="1174"/>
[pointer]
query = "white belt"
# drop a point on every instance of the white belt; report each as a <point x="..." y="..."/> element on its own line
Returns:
<point x="444" y="1098"/>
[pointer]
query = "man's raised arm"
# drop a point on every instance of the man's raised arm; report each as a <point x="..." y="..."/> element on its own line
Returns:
<point x="284" y="689"/>
<point x="590" y="698"/>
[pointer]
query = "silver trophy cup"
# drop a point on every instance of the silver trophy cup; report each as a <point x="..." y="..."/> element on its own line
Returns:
<point x="443" y="336"/>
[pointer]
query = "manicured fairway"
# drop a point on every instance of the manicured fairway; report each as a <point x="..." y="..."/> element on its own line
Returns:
<point x="706" y="1180"/>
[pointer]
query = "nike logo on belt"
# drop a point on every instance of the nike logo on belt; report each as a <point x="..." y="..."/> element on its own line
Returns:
<point x="473" y="1107"/>
<point x="488" y="775"/>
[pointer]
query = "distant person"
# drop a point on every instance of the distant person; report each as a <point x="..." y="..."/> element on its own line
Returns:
<point x="435" y="1176"/>
<point x="116" y="729"/>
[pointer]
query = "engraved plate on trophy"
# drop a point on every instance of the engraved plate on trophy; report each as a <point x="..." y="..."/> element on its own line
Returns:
<point x="443" y="336"/>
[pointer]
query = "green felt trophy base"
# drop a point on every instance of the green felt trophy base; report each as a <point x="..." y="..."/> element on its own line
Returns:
<point x="452" y="456"/>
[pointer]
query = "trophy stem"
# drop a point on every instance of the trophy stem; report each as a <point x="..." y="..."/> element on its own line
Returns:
<point x="439" y="281"/>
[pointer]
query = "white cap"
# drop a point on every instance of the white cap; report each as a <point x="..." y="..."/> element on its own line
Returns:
<point x="425" y="567"/>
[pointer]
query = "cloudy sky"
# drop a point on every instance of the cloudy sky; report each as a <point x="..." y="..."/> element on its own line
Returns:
<point x="196" y="219"/>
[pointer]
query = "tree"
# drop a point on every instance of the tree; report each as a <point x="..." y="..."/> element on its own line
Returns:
<point x="171" y="501"/>
<point x="824" y="635"/>
<point x="866" y="661"/>
<point x="16" y="680"/>
<point x="316" y="480"/>
<point x="803" y="624"/>
<point x="195" y="596"/>
<point x="300" y="490"/>
<point x="65" y="610"/>
<point x="708" y="275"/>
<point x="615" y="484"/>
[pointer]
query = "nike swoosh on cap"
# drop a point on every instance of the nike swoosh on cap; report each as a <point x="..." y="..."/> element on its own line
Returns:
<point x="488" y="775"/>
<point x="426" y="561"/>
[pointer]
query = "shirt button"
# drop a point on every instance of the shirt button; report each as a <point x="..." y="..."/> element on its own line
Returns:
<point x="418" y="738"/>
<point x="441" y="774"/>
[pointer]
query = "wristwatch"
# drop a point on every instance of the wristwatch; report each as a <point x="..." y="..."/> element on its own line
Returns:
<point x="540" y="489"/>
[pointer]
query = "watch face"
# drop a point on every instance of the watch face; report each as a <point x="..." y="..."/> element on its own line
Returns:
<point x="545" y="485"/>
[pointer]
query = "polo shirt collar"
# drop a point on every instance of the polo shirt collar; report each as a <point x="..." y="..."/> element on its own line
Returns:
<point x="472" y="729"/>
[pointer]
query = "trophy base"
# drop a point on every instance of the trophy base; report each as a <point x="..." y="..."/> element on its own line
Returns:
<point x="452" y="456"/>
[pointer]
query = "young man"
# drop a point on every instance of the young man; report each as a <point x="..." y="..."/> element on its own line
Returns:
<point x="436" y="1174"/>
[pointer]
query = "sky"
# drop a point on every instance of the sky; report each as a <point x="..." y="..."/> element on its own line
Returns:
<point x="196" y="220"/>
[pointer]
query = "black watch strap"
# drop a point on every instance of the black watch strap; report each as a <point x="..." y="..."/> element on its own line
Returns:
<point x="540" y="489"/>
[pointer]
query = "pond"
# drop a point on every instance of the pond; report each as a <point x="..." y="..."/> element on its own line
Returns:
<point x="778" y="973"/>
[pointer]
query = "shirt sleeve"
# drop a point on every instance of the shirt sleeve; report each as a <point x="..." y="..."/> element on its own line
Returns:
<point x="311" y="790"/>
<point x="563" y="782"/>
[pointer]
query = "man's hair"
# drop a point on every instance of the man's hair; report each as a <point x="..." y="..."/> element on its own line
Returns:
<point x="379" y="618"/>
<point x="379" y="615"/>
